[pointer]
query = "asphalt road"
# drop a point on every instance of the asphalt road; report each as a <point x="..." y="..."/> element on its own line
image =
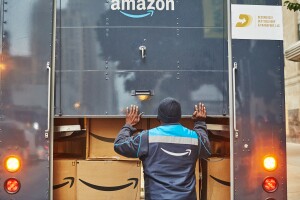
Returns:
<point x="293" y="171"/>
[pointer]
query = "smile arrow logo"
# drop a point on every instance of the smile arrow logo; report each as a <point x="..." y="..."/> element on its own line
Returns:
<point x="220" y="181"/>
<point x="114" y="188"/>
<point x="104" y="139"/>
<point x="149" y="13"/>
<point x="188" y="152"/>
<point x="65" y="183"/>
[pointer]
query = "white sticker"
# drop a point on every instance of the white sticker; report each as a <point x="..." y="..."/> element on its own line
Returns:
<point x="257" y="22"/>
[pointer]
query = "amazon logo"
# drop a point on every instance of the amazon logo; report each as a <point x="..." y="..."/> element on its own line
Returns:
<point x="226" y="183"/>
<point x="132" y="181"/>
<point x="187" y="152"/>
<point x="144" y="8"/>
<point x="70" y="180"/>
<point x="104" y="139"/>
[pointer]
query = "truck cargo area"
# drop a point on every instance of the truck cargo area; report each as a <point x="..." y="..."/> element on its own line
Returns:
<point x="86" y="166"/>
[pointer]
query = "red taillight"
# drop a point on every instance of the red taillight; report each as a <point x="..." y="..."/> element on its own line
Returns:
<point x="270" y="184"/>
<point x="12" y="185"/>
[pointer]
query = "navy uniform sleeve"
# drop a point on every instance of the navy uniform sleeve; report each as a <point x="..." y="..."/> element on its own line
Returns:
<point x="131" y="146"/>
<point x="204" y="144"/>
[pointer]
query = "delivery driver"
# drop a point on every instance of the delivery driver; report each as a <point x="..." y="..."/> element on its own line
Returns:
<point x="169" y="152"/>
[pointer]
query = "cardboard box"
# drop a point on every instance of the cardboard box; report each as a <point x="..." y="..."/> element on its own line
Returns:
<point x="64" y="179"/>
<point x="101" y="135"/>
<point x="102" y="180"/>
<point x="216" y="179"/>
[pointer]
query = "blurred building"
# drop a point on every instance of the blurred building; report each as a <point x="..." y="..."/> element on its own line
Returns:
<point x="292" y="73"/>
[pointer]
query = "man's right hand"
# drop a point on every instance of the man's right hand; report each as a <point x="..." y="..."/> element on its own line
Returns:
<point x="133" y="116"/>
<point x="199" y="113"/>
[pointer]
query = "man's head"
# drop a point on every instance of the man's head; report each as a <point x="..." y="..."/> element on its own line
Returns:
<point x="169" y="110"/>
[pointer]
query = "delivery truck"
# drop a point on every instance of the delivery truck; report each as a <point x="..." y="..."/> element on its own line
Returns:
<point x="69" y="68"/>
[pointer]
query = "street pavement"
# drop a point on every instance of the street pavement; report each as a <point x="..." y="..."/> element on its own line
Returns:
<point x="293" y="171"/>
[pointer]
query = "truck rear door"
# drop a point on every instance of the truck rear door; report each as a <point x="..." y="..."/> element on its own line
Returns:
<point x="25" y="51"/>
<point x="259" y="144"/>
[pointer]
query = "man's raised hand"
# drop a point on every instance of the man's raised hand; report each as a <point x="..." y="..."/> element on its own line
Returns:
<point x="133" y="116"/>
<point x="199" y="113"/>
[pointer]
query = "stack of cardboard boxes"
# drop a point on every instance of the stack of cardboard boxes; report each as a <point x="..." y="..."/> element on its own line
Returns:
<point x="102" y="174"/>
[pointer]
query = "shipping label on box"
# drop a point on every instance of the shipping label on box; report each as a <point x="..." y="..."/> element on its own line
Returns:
<point x="101" y="137"/>
<point x="104" y="180"/>
<point x="64" y="179"/>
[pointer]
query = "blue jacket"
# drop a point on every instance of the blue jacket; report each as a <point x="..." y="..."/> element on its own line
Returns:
<point x="169" y="153"/>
